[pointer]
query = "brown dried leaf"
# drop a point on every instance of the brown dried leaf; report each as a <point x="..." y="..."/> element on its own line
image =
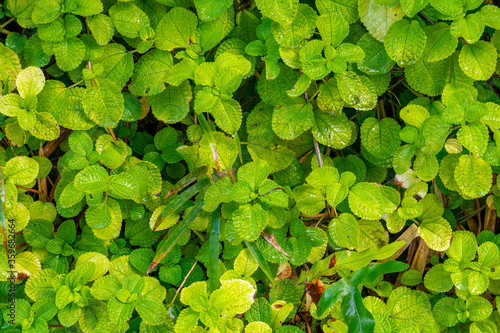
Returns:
<point x="272" y="240"/>
<point x="315" y="289"/>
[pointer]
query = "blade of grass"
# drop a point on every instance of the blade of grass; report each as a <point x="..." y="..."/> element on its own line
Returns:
<point x="176" y="234"/>
<point x="263" y="264"/>
<point x="187" y="180"/>
<point x="178" y="202"/>
<point x="213" y="276"/>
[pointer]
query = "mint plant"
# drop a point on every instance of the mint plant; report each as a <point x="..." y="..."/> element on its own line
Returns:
<point x="249" y="166"/>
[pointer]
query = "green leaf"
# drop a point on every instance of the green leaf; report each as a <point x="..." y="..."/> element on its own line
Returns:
<point x="278" y="157"/>
<point x="9" y="67"/>
<point x="227" y="114"/>
<point x="22" y="10"/>
<point x="69" y="53"/>
<point x="245" y="264"/>
<point x="238" y="295"/>
<point x="478" y="308"/>
<point x="38" y="233"/>
<point x="92" y="179"/>
<point x="101" y="262"/>
<point x="30" y="81"/>
<point x="105" y="219"/>
<point x="69" y="315"/>
<point x="254" y="173"/>
<point x="272" y="194"/>
<point x="45" y="127"/>
<point x="412" y="7"/>
<point x="21" y="170"/>
<point x="410" y="208"/>
<point x="335" y="132"/>
<point x="470" y="28"/>
<point x="273" y="91"/>
<point x="128" y="19"/>
<point x="187" y="320"/>
<point x="67" y="231"/>
<point x="217" y="193"/>
<point x="309" y="199"/>
<point x="347" y="8"/>
<point x="313" y="63"/>
<point x="124" y="185"/>
<point x="291" y="118"/>
<point x="473" y="176"/>
<point x="333" y="28"/>
<point x="84" y="7"/>
<point x="150" y="73"/>
<point x="426" y="167"/>
<point x="478" y="60"/>
<point x="101" y="27"/>
<point x="118" y="64"/>
<point x="428" y="78"/>
<point x="323" y="177"/>
<point x="104" y="105"/>
<point x="367" y="201"/>
<point x="345" y="231"/>
<point x="409" y="51"/>
<point x="39" y="285"/>
<point x="249" y="221"/>
<point x="302" y="27"/>
<point x="406" y="305"/>
<point x="376" y="60"/>
<point x="357" y="93"/>
<point x="11" y="105"/>
<point x="329" y="99"/>
<point x="474" y="137"/>
<point x="447" y="171"/>
<point x="258" y="326"/>
<point x="151" y="310"/>
<point x="80" y="143"/>
<point x="209" y="10"/>
<point x="175" y="29"/>
<point x="377" y="18"/>
<point x="489" y="14"/>
<point x="445" y="313"/>
<point x="463" y="246"/>
<point x="440" y="42"/>
<point x="282" y="12"/>
<point x="380" y="138"/>
<point x="435" y="132"/>
<point x="357" y="316"/>
<point x="226" y="150"/>
<point x="260" y="311"/>
<point x="172" y="104"/>
<point x="414" y="115"/>
<point x="436" y="233"/>
<point x="489" y="254"/>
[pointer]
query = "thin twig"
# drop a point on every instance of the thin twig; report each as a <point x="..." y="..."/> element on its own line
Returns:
<point x="474" y="213"/>
<point x="425" y="17"/>
<point x="271" y="190"/>
<point x="182" y="284"/>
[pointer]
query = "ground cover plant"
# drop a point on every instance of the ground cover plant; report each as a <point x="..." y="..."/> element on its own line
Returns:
<point x="249" y="166"/>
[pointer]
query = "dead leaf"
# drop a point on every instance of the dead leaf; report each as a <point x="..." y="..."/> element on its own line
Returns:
<point x="272" y="240"/>
<point x="315" y="289"/>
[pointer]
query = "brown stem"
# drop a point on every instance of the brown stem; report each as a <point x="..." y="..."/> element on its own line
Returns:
<point x="110" y="131"/>
<point x="51" y="146"/>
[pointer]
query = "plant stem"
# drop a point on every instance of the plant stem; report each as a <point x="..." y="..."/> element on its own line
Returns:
<point x="182" y="284"/>
<point x="75" y="84"/>
<point x="7" y="22"/>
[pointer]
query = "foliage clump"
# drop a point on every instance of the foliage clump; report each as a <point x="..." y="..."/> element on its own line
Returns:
<point x="249" y="166"/>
